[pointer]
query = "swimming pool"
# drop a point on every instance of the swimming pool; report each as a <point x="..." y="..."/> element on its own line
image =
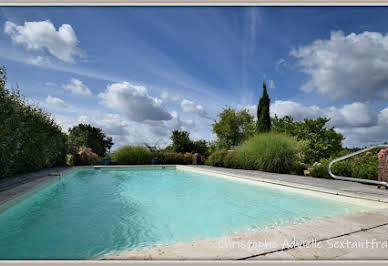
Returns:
<point x="93" y="212"/>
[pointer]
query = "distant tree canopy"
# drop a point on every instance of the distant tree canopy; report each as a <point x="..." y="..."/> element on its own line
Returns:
<point x="263" y="123"/>
<point x="321" y="142"/>
<point x="182" y="143"/>
<point x="233" y="127"/>
<point x="93" y="137"/>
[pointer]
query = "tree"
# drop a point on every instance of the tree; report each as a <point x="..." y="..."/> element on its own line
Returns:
<point x="263" y="123"/>
<point x="181" y="141"/>
<point x="93" y="137"/>
<point x="201" y="147"/>
<point x="233" y="127"/>
<point x="321" y="142"/>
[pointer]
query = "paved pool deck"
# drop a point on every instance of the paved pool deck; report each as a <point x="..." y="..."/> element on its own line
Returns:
<point x="15" y="188"/>
<point x="357" y="237"/>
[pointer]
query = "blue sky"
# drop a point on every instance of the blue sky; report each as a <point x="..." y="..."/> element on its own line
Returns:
<point x="140" y="72"/>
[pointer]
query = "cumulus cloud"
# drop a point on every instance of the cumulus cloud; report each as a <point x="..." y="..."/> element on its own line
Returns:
<point x="42" y="35"/>
<point x="76" y="86"/>
<point x="353" y="65"/>
<point x="125" y="132"/>
<point x="366" y="136"/>
<point x="134" y="102"/>
<point x="361" y="125"/>
<point x="57" y="102"/>
<point x="190" y="107"/>
<point x="170" y="98"/>
<point x="351" y="115"/>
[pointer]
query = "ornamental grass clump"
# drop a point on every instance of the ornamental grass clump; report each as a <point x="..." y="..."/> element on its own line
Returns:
<point x="269" y="152"/>
<point x="132" y="155"/>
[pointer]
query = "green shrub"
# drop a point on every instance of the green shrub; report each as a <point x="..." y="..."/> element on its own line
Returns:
<point x="216" y="158"/>
<point x="230" y="160"/>
<point x="320" y="169"/>
<point x="132" y="155"/>
<point x="361" y="166"/>
<point x="85" y="156"/>
<point x="170" y="157"/>
<point x="269" y="152"/>
<point x="29" y="138"/>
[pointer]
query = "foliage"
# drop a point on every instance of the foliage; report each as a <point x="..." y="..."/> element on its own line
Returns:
<point x="182" y="143"/>
<point x="29" y="138"/>
<point x="363" y="166"/>
<point x="321" y="142"/>
<point x="320" y="169"/>
<point x="84" y="156"/>
<point x="263" y="123"/>
<point x="216" y="145"/>
<point x="233" y="127"/>
<point x="170" y="157"/>
<point x="217" y="158"/>
<point x="87" y="135"/>
<point x="132" y="155"/>
<point x="268" y="152"/>
<point x="201" y="147"/>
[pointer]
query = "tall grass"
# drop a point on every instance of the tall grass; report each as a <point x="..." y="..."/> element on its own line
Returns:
<point x="132" y="155"/>
<point x="269" y="152"/>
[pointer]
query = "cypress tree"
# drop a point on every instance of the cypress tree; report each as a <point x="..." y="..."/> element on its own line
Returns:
<point x="263" y="123"/>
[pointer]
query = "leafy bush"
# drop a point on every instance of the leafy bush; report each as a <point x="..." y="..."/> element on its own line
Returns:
<point x="132" y="155"/>
<point x="363" y="166"/>
<point x="29" y="138"/>
<point x="85" y="156"/>
<point x="89" y="136"/>
<point x="217" y="158"/>
<point x="320" y="169"/>
<point x="321" y="141"/>
<point x="170" y="158"/>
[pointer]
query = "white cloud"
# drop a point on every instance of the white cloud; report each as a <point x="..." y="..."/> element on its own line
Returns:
<point x="50" y="84"/>
<point x="124" y="132"/>
<point x="76" y="86"/>
<point x="354" y="65"/>
<point x="170" y="98"/>
<point x="190" y="107"/>
<point x="57" y="102"/>
<point x="360" y="125"/>
<point x="271" y="84"/>
<point x="134" y="102"/>
<point x="351" y="115"/>
<point x="40" y="35"/>
<point x="281" y="64"/>
<point x="37" y="61"/>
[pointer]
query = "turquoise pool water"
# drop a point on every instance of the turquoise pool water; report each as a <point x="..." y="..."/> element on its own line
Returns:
<point x="92" y="212"/>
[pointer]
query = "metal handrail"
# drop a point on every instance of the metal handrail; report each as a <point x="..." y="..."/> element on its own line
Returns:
<point x="354" y="178"/>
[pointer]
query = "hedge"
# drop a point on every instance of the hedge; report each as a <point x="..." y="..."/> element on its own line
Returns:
<point x="29" y="138"/>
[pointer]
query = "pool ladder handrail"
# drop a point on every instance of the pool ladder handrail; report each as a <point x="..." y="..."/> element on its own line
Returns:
<point x="354" y="179"/>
